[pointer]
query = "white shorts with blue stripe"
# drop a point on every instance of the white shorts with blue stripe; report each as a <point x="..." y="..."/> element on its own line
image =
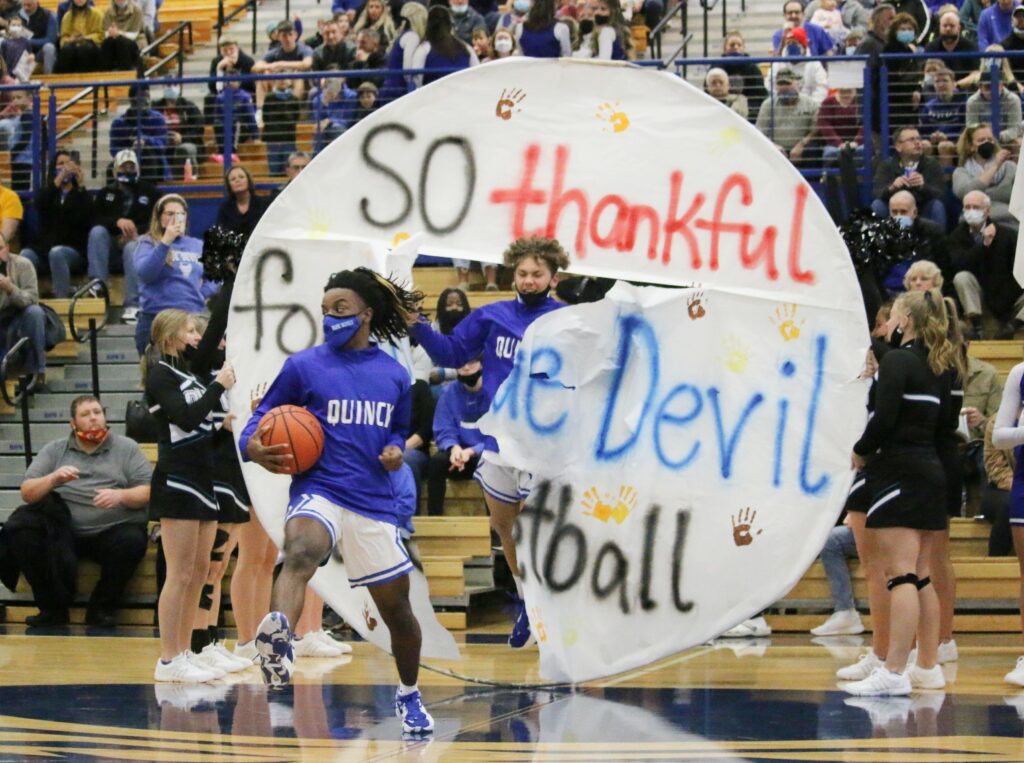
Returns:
<point x="505" y="483"/>
<point x="371" y="549"/>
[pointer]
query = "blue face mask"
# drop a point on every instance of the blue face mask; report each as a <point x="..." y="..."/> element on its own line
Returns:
<point x="338" y="331"/>
<point x="906" y="36"/>
<point x="521" y="6"/>
<point x="904" y="221"/>
<point x="794" y="50"/>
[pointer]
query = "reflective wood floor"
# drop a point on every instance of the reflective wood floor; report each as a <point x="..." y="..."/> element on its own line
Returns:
<point x="71" y="695"/>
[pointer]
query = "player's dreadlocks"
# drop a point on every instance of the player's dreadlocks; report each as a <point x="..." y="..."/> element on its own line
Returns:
<point x="391" y="304"/>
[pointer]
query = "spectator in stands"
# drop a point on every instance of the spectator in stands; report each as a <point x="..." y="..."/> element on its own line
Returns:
<point x="818" y="40"/>
<point x="81" y="34"/>
<point x="811" y="74"/>
<point x="333" y="52"/>
<point x="416" y="453"/>
<point x="878" y="30"/>
<point x="482" y="46"/>
<point x="942" y="118"/>
<point x="280" y="118"/>
<point x="11" y="213"/>
<point x="125" y="35"/>
<point x="1015" y="42"/>
<point x="982" y="253"/>
<point x="970" y="14"/>
<point x="64" y="215"/>
<point x="995" y="23"/>
<point x="979" y="107"/>
<point x="716" y="84"/>
<point x="611" y="39"/>
<point x="504" y="44"/>
<point x="828" y="17"/>
<point x="909" y="169"/>
<point x="789" y="118"/>
<point x="243" y="207"/>
<point x="18" y="116"/>
<point x="839" y="123"/>
<point x="440" y="48"/>
<point x="452" y="307"/>
<point x="121" y="215"/>
<point x="458" y="438"/>
<point x="852" y="13"/>
<point x="20" y="314"/>
<point x="103" y="478"/>
<point x="333" y="108"/>
<point x="513" y="16"/>
<point x="845" y="620"/>
<point x="541" y="35"/>
<point x="144" y="131"/>
<point x="368" y="56"/>
<point x="985" y="166"/>
<point x="297" y="162"/>
<point x="290" y="56"/>
<point x="926" y="241"/>
<point x="377" y="16"/>
<point x="904" y="74"/>
<point x="184" y="129"/>
<point x="367" y="94"/>
<point x="983" y="391"/>
<point x="43" y="26"/>
<point x="1000" y="465"/>
<point x="231" y="55"/>
<point x="410" y="35"/>
<point x="169" y="266"/>
<point x="950" y="39"/>
<point x="744" y="77"/>
<point x="243" y="114"/>
<point x="465" y="20"/>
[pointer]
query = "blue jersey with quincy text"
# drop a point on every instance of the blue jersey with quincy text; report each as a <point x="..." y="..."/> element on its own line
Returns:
<point x="363" y="401"/>
<point x="493" y="333"/>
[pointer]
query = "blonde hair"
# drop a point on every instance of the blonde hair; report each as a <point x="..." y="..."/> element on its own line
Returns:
<point x="965" y="143"/>
<point x="929" y="314"/>
<point x="166" y="326"/>
<point x="925" y="268"/>
<point x="156" y="228"/>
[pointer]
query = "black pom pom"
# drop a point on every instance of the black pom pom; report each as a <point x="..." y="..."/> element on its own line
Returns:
<point x="222" y="251"/>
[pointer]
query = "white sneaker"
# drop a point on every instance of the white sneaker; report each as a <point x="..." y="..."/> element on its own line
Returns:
<point x="130" y="315"/>
<point x="1017" y="703"/>
<point x="247" y="651"/>
<point x="932" y="678"/>
<point x="861" y="669"/>
<point x="230" y="659"/>
<point x="1016" y="676"/>
<point x="310" y="646"/>
<point x="948" y="652"/>
<point x="211" y="655"/>
<point x="881" y="683"/>
<point x="181" y="670"/>
<point x="843" y="623"/>
<point x="327" y="638"/>
<point x="207" y="661"/>
<point x="756" y="627"/>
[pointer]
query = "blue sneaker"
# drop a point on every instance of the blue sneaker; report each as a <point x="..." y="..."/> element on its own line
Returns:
<point x="521" y="636"/>
<point x="415" y="718"/>
<point x="274" y="646"/>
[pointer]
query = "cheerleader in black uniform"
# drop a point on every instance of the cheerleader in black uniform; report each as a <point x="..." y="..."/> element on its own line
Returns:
<point x="907" y="485"/>
<point x="182" y="496"/>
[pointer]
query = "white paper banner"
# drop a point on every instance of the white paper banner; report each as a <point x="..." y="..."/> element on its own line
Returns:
<point x="696" y="441"/>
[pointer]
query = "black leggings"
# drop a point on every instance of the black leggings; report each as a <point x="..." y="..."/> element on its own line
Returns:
<point x="82" y="56"/>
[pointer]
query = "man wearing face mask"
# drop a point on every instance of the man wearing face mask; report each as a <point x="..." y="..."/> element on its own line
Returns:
<point x="982" y="254"/>
<point x="789" y="119"/>
<point x="144" y="131"/>
<point x="1015" y="41"/>
<point x="951" y="40"/>
<point x="121" y="213"/>
<point x="516" y="14"/>
<point x="995" y="23"/>
<point x="466" y="20"/>
<point x="458" y="438"/>
<point x="184" y="129"/>
<point x="910" y="170"/>
<point x="104" y="480"/>
<point x="42" y="23"/>
<point x="924" y="241"/>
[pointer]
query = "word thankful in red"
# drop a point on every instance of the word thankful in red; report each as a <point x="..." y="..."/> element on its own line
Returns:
<point x="614" y="223"/>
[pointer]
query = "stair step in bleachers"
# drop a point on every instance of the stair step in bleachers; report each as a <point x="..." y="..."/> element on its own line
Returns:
<point x="1004" y="355"/>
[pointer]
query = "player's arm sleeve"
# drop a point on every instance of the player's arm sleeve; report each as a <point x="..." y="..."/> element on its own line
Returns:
<point x="892" y="379"/>
<point x="446" y="426"/>
<point x="401" y="422"/>
<point x="1006" y="434"/>
<point x="284" y="390"/>
<point x="457" y="349"/>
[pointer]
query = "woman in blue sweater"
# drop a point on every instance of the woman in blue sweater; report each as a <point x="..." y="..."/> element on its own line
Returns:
<point x="168" y="266"/>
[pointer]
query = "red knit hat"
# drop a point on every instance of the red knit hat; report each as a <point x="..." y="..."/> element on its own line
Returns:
<point x="800" y="35"/>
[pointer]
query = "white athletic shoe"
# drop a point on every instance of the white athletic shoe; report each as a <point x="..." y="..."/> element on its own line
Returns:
<point x="881" y="683"/>
<point x="181" y="670"/>
<point x="932" y="678"/>
<point x="274" y="644"/>
<point x="310" y="646"/>
<point x="247" y="651"/>
<point x="327" y="638"/>
<point x="948" y="652"/>
<point x="846" y="622"/>
<point x="756" y="627"/>
<point x="214" y="657"/>
<point x="238" y="663"/>
<point x="207" y="661"/>
<point x="1016" y="676"/>
<point x="861" y="669"/>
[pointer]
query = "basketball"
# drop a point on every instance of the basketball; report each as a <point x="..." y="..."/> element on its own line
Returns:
<point x="298" y="428"/>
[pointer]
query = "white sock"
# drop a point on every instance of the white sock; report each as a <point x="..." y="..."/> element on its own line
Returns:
<point x="404" y="691"/>
<point x="519" y="586"/>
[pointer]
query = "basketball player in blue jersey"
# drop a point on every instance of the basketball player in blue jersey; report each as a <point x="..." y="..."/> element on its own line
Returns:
<point x="362" y="399"/>
<point x="493" y="333"/>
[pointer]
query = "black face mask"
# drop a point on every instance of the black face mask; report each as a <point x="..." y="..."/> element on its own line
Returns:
<point x="449" y="319"/>
<point x="469" y="380"/>
<point x="601" y="18"/>
<point x="128" y="178"/>
<point x="534" y="300"/>
<point x="896" y="338"/>
<point x="586" y="26"/>
<point x="987" y="150"/>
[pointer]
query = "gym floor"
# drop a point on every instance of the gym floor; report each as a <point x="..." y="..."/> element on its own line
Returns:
<point x="67" y="694"/>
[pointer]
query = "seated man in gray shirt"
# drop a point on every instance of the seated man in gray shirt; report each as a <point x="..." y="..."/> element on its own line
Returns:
<point x="104" y="480"/>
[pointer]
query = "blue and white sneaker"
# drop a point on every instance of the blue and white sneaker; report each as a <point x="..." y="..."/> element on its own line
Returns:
<point x="415" y="718"/>
<point x="521" y="636"/>
<point x="274" y="646"/>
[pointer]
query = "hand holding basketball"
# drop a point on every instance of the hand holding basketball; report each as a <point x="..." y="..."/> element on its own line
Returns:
<point x="291" y="439"/>
<point x="274" y="458"/>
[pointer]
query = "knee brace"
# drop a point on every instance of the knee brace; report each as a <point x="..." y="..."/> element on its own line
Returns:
<point x="910" y="578"/>
<point x="923" y="582"/>
<point x="217" y="552"/>
<point x="206" y="597"/>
